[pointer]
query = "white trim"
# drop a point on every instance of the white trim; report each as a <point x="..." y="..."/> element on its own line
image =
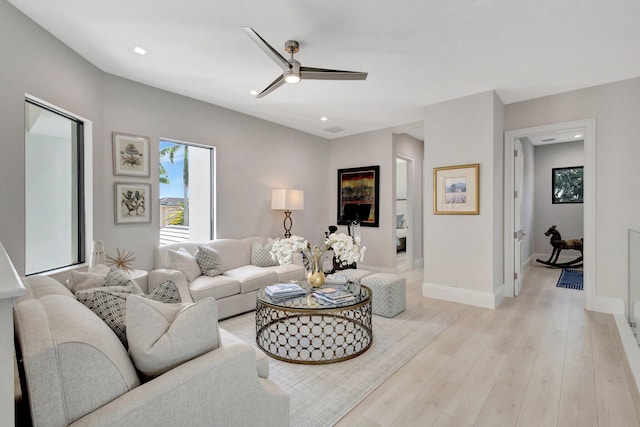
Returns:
<point x="630" y="347"/>
<point x="589" y="126"/>
<point x="464" y="296"/>
<point x="88" y="179"/>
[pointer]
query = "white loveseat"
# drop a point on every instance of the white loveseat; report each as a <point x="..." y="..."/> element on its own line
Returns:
<point x="235" y="289"/>
<point x="77" y="372"/>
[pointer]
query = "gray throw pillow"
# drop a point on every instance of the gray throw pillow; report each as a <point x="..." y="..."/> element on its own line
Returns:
<point x="209" y="261"/>
<point x="166" y="292"/>
<point x="116" y="277"/>
<point x="260" y="254"/>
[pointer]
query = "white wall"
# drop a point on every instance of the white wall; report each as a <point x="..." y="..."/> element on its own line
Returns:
<point x="615" y="107"/>
<point x="463" y="253"/>
<point x="253" y="156"/>
<point x="569" y="217"/>
<point x="34" y="62"/>
<point x="367" y="149"/>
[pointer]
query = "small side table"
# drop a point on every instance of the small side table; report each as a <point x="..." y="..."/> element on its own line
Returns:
<point x="140" y="277"/>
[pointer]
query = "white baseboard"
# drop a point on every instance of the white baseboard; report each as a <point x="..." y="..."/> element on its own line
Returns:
<point x="608" y="305"/>
<point x="464" y="296"/>
<point x="631" y="349"/>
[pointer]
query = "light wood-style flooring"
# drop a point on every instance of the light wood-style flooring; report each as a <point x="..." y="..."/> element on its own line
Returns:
<point x="537" y="360"/>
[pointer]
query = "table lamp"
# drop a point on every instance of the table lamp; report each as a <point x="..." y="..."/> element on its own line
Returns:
<point x="287" y="200"/>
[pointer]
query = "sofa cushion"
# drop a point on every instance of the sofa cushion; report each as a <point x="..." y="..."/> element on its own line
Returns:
<point x="209" y="261"/>
<point x="261" y="254"/>
<point x="234" y="252"/>
<point x="182" y="260"/>
<point x="217" y="287"/>
<point x="287" y="272"/>
<point x="162" y="336"/>
<point x="252" y="278"/>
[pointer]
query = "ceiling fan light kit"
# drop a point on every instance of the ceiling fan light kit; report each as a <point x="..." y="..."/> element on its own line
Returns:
<point x="292" y="70"/>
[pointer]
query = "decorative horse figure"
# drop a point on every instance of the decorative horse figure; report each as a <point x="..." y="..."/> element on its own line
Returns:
<point x="558" y="245"/>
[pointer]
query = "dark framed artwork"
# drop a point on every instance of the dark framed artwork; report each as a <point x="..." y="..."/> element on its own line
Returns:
<point x="359" y="195"/>
<point x="567" y="185"/>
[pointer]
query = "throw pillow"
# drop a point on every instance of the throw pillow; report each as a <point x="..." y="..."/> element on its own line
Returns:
<point x="208" y="260"/>
<point x="163" y="336"/>
<point x="110" y="304"/>
<point x="182" y="260"/>
<point x="79" y="280"/>
<point x="166" y="292"/>
<point x="260" y="254"/>
<point x="117" y="277"/>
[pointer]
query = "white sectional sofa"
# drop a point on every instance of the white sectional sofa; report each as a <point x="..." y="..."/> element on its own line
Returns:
<point x="77" y="372"/>
<point x="235" y="289"/>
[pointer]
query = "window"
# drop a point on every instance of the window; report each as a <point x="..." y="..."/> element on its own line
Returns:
<point x="55" y="228"/>
<point x="186" y="192"/>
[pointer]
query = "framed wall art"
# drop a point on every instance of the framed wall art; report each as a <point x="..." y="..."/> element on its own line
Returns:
<point x="456" y="190"/>
<point x="132" y="202"/>
<point x="359" y="195"/>
<point x="130" y="155"/>
<point x="567" y="185"/>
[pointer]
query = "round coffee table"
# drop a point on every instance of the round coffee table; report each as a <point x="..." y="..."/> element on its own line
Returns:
<point x="306" y="330"/>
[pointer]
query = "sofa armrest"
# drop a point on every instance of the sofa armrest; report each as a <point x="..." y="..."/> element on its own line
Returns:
<point x="219" y="388"/>
<point x="163" y="274"/>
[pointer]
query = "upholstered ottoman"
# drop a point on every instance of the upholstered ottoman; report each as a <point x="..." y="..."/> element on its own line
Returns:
<point x="389" y="293"/>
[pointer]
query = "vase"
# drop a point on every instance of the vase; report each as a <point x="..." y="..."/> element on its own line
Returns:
<point x="316" y="275"/>
<point x="97" y="254"/>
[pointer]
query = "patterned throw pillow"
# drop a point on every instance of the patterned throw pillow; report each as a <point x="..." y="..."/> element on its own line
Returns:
<point x="209" y="261"/>
<point x="166" y="292"/>
<point x="260" y="255"/>
<point x="110" y="303"/>
<point x="116" y="277"/>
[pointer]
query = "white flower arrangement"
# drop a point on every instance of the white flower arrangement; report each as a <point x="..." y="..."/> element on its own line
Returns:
<point x="283" y="250"/>
<point x="346" y="249"/>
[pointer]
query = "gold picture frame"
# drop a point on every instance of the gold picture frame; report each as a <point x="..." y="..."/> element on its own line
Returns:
<point x="456" y="190"/>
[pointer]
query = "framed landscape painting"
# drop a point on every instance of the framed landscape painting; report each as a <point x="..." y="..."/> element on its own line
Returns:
<point x="132" y="202"/>
<point x="358" y="195"/>
<point x="455" y="190"/>
<point x="130" y="155"/>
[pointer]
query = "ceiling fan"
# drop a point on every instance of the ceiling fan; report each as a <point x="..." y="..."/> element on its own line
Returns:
<point x="292" y="71"/>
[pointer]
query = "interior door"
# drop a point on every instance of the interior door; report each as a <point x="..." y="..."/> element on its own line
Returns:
<point x="518" y="232"/>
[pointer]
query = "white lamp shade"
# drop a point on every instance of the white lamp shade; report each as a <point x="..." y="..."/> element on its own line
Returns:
<point x="287" y="200"/>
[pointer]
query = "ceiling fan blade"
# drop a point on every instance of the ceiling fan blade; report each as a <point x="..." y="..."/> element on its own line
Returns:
<point x="326" y="74"/>
<point x="273" y="86"/>
<point x="266" y="47"/>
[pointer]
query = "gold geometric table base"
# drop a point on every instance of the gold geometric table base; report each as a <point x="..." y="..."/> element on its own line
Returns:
<point x="322" y="336"/>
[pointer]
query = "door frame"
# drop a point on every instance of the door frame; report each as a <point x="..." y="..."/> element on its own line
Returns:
<point x="409" y="215"/>
<point x="588" y="126"/>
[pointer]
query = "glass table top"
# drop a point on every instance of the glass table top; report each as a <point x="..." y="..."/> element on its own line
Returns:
<point x="310" y="302"/>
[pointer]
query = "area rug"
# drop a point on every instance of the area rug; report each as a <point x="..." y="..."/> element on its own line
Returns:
<point x="570" y="279"/>
<point x="322" y="394"/>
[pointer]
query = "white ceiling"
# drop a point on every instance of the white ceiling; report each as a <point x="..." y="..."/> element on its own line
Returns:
<point x="417" y="52"/>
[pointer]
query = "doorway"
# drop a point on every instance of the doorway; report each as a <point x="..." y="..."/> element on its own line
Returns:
<point x="513" y="226"/>
<point x="404" y="240"/>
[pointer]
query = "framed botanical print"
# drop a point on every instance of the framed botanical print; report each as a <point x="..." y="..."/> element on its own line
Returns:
<point x="130" y="155"/>
<point x="132" y="202"/>
<point x="456" y="190"/>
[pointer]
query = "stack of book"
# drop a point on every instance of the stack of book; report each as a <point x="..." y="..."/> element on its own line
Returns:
<point x="334" y="296"/>
<point x="281" y="291"/>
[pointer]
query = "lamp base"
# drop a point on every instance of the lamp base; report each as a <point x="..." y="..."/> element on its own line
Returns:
<point x="288" y="222"/>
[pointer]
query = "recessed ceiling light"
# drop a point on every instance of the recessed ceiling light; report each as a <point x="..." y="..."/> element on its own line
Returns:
<point x="324" y="118"/>
<point x="139" y="50"/>
<point x="577" y="136"/>
<point x="253" y="92"/>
